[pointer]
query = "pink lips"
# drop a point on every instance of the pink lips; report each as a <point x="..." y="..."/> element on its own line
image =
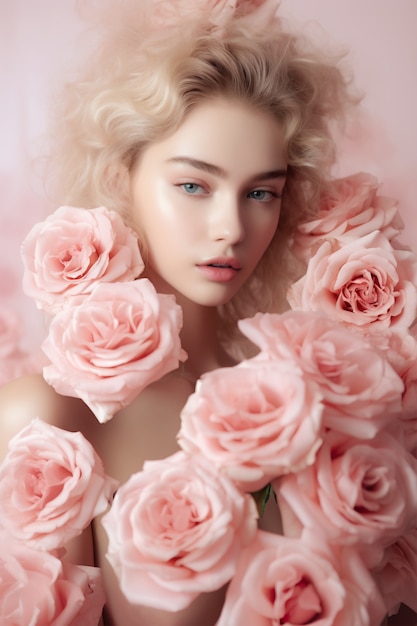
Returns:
<point x="222" y="269"/>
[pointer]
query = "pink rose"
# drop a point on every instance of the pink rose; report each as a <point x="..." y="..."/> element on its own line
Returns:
<point x="400" y="348"/>
<point x="398" y="345"/>
<point x="282" y="580"/>
<point x="349" y="208"/>
<point x="409" y="414"/>
<point x="397" y="575"/>
<point x="108" y="348"/>
<point x="357" y="492"/>
<point x="403" y="353"/>
<point x="409" y="376"/>
<point x="175" y="530"/>
<point x="88" y="579"/>
<point x="255" y="421"/>
<point x="364" y="282"/>
<point x="52" y="484"/>
<point x="361" y="391"/>
<point x="73" y="249"/>
<point x="37" y="589"/>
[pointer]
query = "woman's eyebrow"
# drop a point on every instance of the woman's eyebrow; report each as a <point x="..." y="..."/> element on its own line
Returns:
<point x="219" y="171"/>
<point x="199" y="165"/>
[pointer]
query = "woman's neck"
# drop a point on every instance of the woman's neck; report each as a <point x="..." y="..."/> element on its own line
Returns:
<point x="199" y="338"/>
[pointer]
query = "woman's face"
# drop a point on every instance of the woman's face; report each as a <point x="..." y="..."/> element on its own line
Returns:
<point x="207" y="200"/>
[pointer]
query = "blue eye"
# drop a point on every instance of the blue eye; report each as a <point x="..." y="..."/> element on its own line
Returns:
<point x="192" y="188"/>
<point x="262" y="195"/>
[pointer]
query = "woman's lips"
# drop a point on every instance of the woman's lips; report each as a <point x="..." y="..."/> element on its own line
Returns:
<point x="220" y="270"/>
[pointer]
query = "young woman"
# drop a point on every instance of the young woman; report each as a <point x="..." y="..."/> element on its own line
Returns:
<point x="207" y="128"/>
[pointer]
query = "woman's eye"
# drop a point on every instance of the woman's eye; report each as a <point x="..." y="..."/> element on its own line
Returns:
<point x="263" y="195"/>
<point x="192" y="188"/>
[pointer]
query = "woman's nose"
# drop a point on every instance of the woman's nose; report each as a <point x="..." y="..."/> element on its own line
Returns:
<point x="226" y="221"/>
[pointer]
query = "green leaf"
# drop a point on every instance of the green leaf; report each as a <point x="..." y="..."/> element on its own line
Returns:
<point x="262" y="496"/>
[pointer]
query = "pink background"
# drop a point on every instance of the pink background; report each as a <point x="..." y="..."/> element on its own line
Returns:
<point x="39" y="40"/>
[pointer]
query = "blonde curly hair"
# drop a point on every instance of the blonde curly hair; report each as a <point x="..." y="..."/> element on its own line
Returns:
<point x="142" y="82"/>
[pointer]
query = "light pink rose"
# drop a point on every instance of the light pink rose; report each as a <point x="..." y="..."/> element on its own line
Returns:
<point x="349" y="208"/>
<point x="108" y="348"/>
<point x="399" y="347"/>
<point x="364" y="283"/>
<point x="402" y="352"/>
<point x="282" y="580"/>
<point x="361" y="390"/>
<point x="255" y="421"/>
<point x="88" y="579"/>
<point x="409" y="414"/>
<point x="175" y="530"/>
<point x="37" y="589"/>
<point x="357" y="492"/>
<point x="71" y="250"/>
<point x="52" y="484"/>
<point x="397" y="575"/>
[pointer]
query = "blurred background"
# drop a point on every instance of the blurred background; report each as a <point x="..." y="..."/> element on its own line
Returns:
<point x="41" y="41"/>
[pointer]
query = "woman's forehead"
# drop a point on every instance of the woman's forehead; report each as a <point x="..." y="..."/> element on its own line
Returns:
<point x="220" y="135"/>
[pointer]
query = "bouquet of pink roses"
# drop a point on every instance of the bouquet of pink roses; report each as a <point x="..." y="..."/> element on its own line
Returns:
<point x="349" y="500"/>
<point x="317" y="416"/>
<point x="110" y="333"/>
<point x="323" y="417"/>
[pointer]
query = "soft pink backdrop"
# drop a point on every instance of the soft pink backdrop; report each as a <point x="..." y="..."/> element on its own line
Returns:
<point x="39" y="41"/>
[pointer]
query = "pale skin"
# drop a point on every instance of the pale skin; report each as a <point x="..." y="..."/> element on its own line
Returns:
<point x="207" y="201"/>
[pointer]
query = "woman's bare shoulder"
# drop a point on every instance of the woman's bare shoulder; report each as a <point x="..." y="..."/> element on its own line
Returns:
<point x="25" y="398"/>
<point x="146" y="429"/>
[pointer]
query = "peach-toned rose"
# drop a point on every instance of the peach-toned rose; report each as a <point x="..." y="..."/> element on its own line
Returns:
<point x="400" y="348"/>
<point x="362" y="492"/>
<point x="108" y="348"/>
<point x="52" y="483"/>
<point x="409" y="413"/>
<point x="282" y="580"/>
<point x="349" y="208"/>
<point x="397" y="575"/>
<point x="175" y="530"/>
<point x="71" y="250"/>
<point x="364" y="283"/>
<point x="254" y="421"/>
<point x="37" y="589"/>
<point x="398" y="345"/>
<point x="361" y="390"/>
<point x="88" y="579"/>
<point x="403" y="354"/>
